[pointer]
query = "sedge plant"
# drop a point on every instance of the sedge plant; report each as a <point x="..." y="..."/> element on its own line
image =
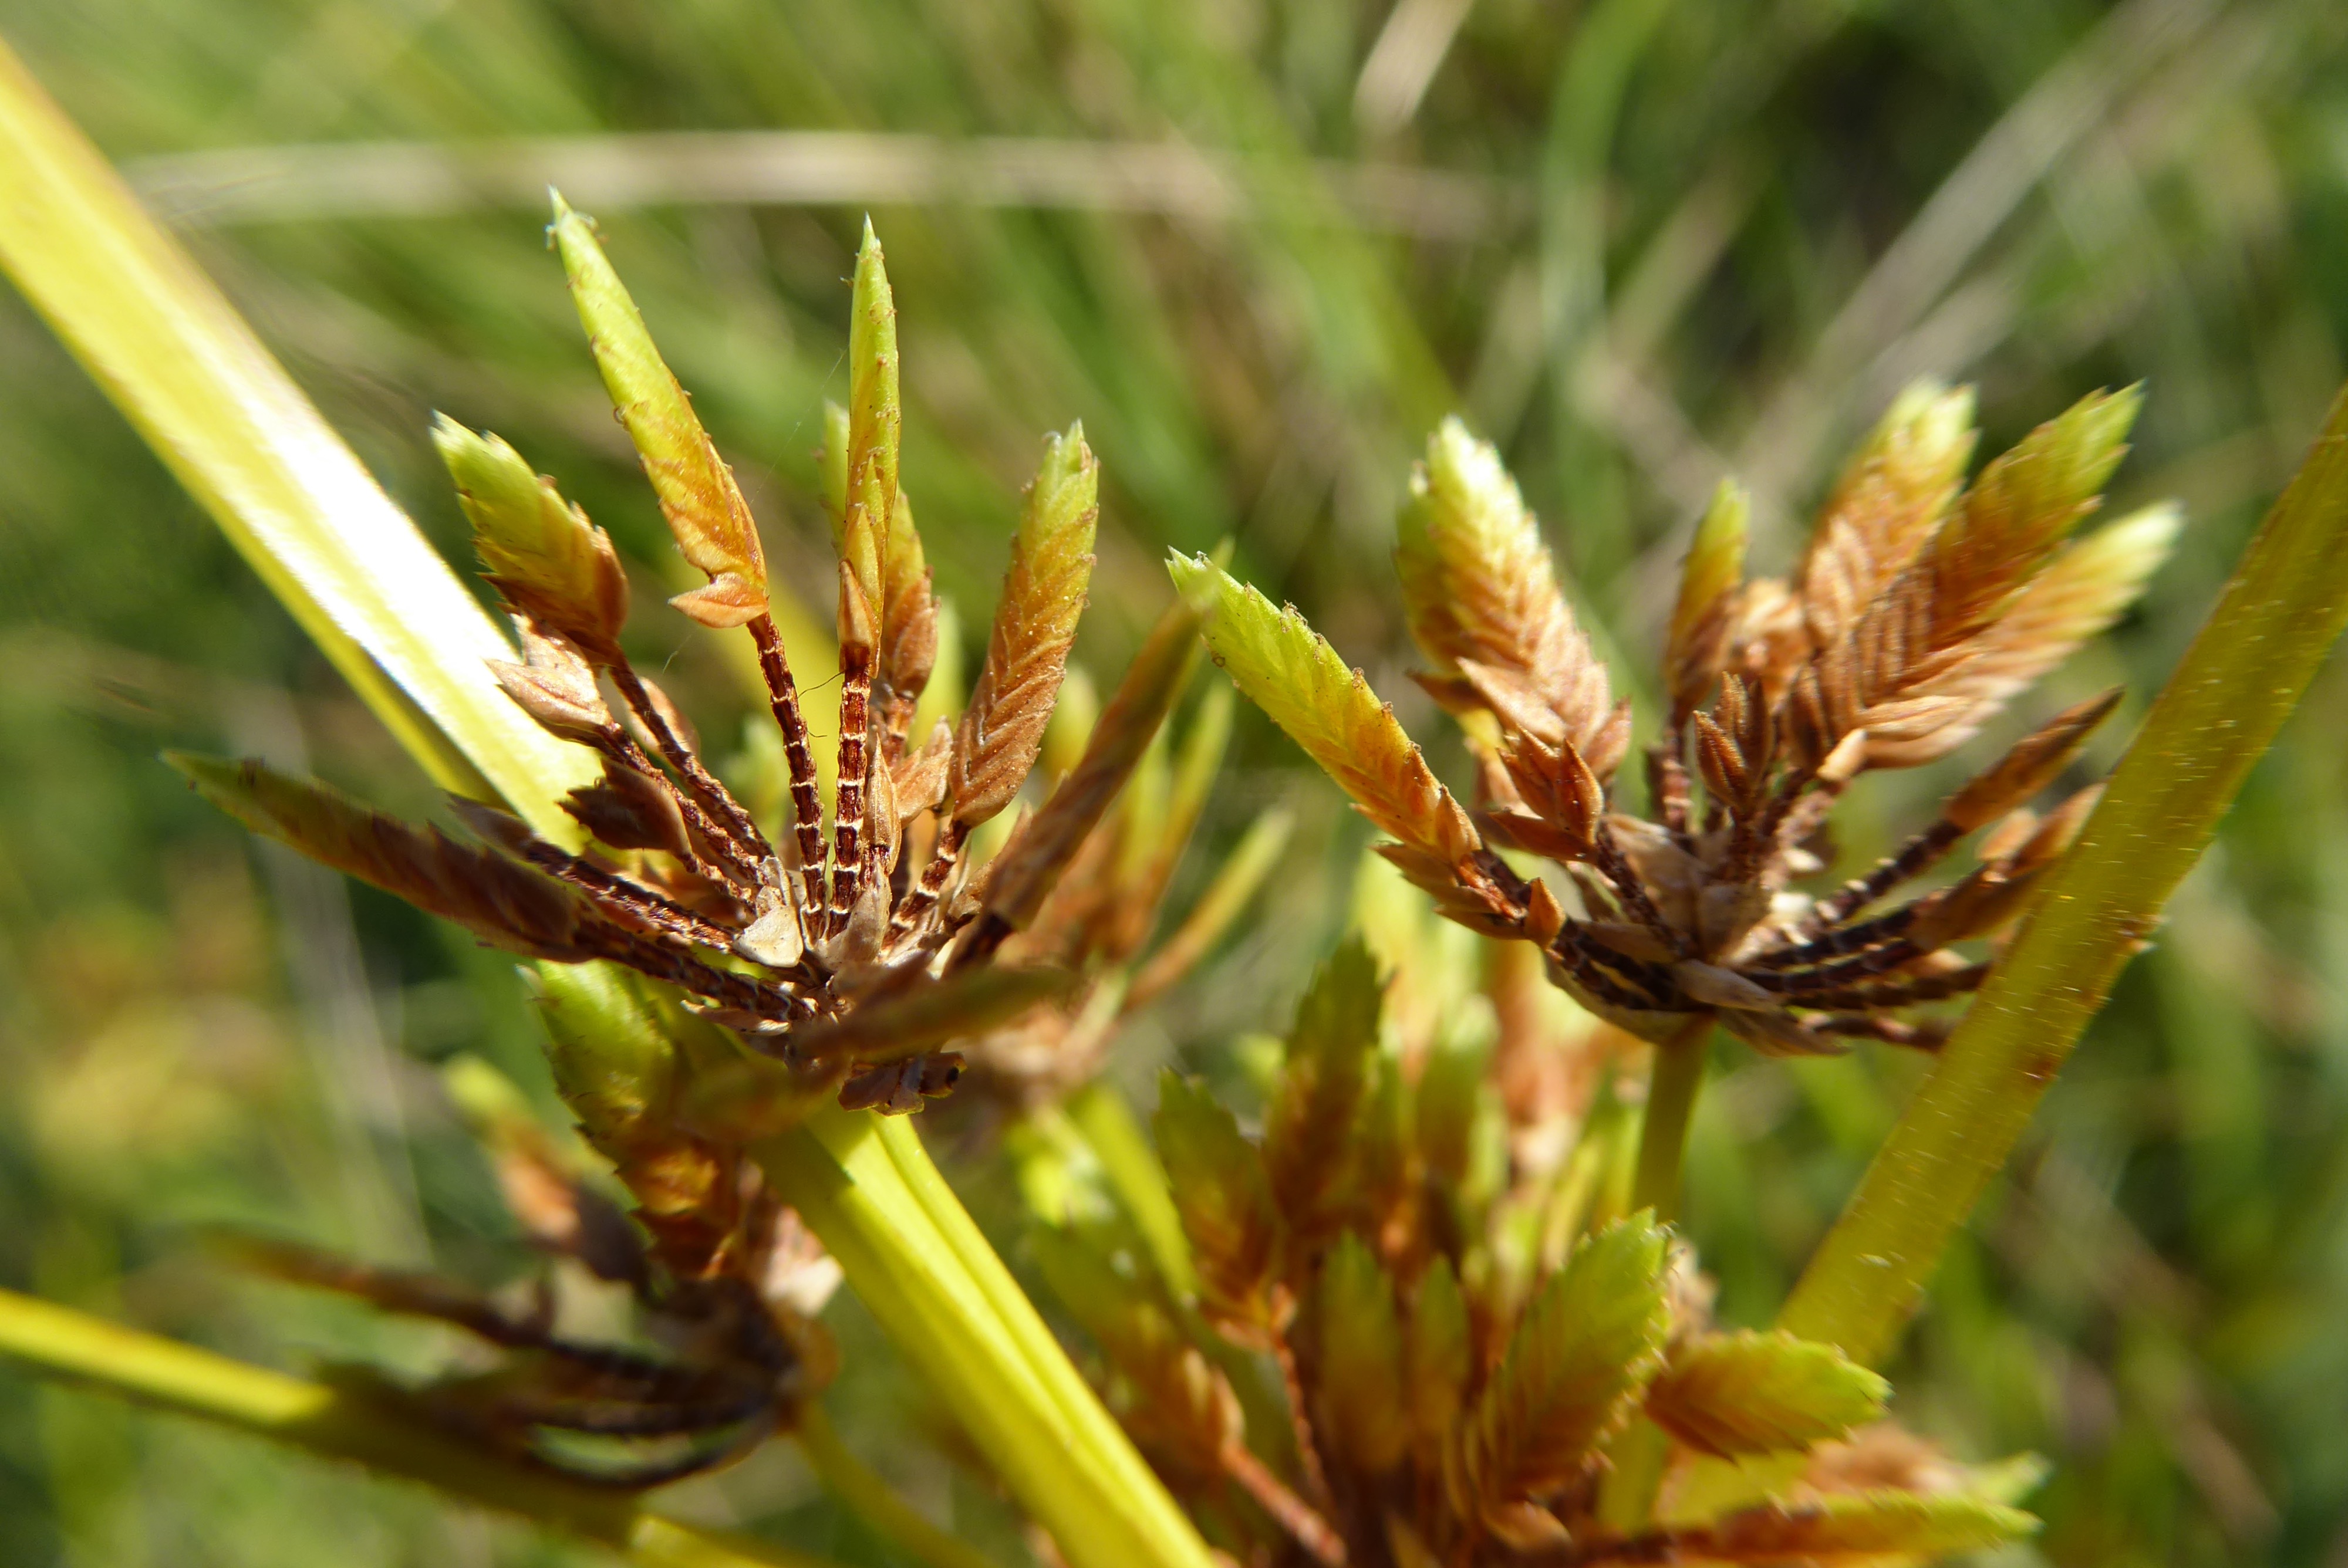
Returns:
<point x="745" y="1011"/>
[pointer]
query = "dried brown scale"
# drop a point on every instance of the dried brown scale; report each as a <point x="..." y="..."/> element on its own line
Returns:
<point x="783" y="697"/>
<point x="1606" y="854"/>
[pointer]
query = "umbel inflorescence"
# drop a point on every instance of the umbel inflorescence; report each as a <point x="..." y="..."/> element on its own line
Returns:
<point x="1920" y="605"/>
<point x="854" y="945"/>
<point x="835" y="959"/>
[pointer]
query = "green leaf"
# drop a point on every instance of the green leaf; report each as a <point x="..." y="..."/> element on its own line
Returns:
<point x="1283" y="667"/>
<point x="1361" y="1360"/>
<point x="1225" y="1202"/>
<point x="1309" y="1126"/>
<point x="1753" y="1393"/>
<point x="697" y="494"/>
<point x="1589" y="1340"/>
<point x="1857" y="1526"/>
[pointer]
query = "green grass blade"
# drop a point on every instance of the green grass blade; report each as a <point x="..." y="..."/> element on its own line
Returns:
<point x="2238" y="681"/>
<point x="222" y="414"/>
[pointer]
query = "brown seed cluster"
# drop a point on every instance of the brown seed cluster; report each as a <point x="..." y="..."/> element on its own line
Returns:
<point x="1920" y="605"/>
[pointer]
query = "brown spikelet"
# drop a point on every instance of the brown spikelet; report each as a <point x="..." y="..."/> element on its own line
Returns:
<point x="506" y="905"/>
<point x="1888" y="502"/>
<point x="1479" y="587"/>
<point x="2030" y="766"/>
<point x="1035" y="624"/>
<point x="1572" y="1371"/>
<point x="704" y="507"/>
<point x="2081" y="591"/>
<point x="557" y="688"/>
<point x="1891" y="674"/>
<point x="1028" y="866"/>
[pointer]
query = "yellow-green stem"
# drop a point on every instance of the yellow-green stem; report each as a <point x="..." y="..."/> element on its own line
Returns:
<point x="61" y="1342"/>
<point x="926" y="1273"/>
<point x="1663" y="1132"/>
<point x="2278" y="618"/>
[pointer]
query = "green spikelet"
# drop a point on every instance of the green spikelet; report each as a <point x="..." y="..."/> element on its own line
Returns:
<point x="697" y="494"/>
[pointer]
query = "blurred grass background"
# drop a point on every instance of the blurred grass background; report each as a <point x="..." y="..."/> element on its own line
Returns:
<point x="1258" y="246"/>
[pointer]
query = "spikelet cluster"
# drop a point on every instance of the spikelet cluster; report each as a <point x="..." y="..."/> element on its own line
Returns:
<point x="1921" y="606"/>
<point x="707" y="985"/>
<point x="1390" y="1332"/>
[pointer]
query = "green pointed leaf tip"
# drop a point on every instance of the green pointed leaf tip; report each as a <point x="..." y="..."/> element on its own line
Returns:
<point x="1283" y="666"/>
<point x="613" y="1062"/>
<point x="1755" y="1393"/>
<point x="1588" y="1342"/>
<point x="874" y="423"/>
<point x="697" y="494"/>
<point x="541" y="551"/>
<point x="1361" y="1364"/>
<point x="1221" y="1192"/>
<point x="1065" y="500"/>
